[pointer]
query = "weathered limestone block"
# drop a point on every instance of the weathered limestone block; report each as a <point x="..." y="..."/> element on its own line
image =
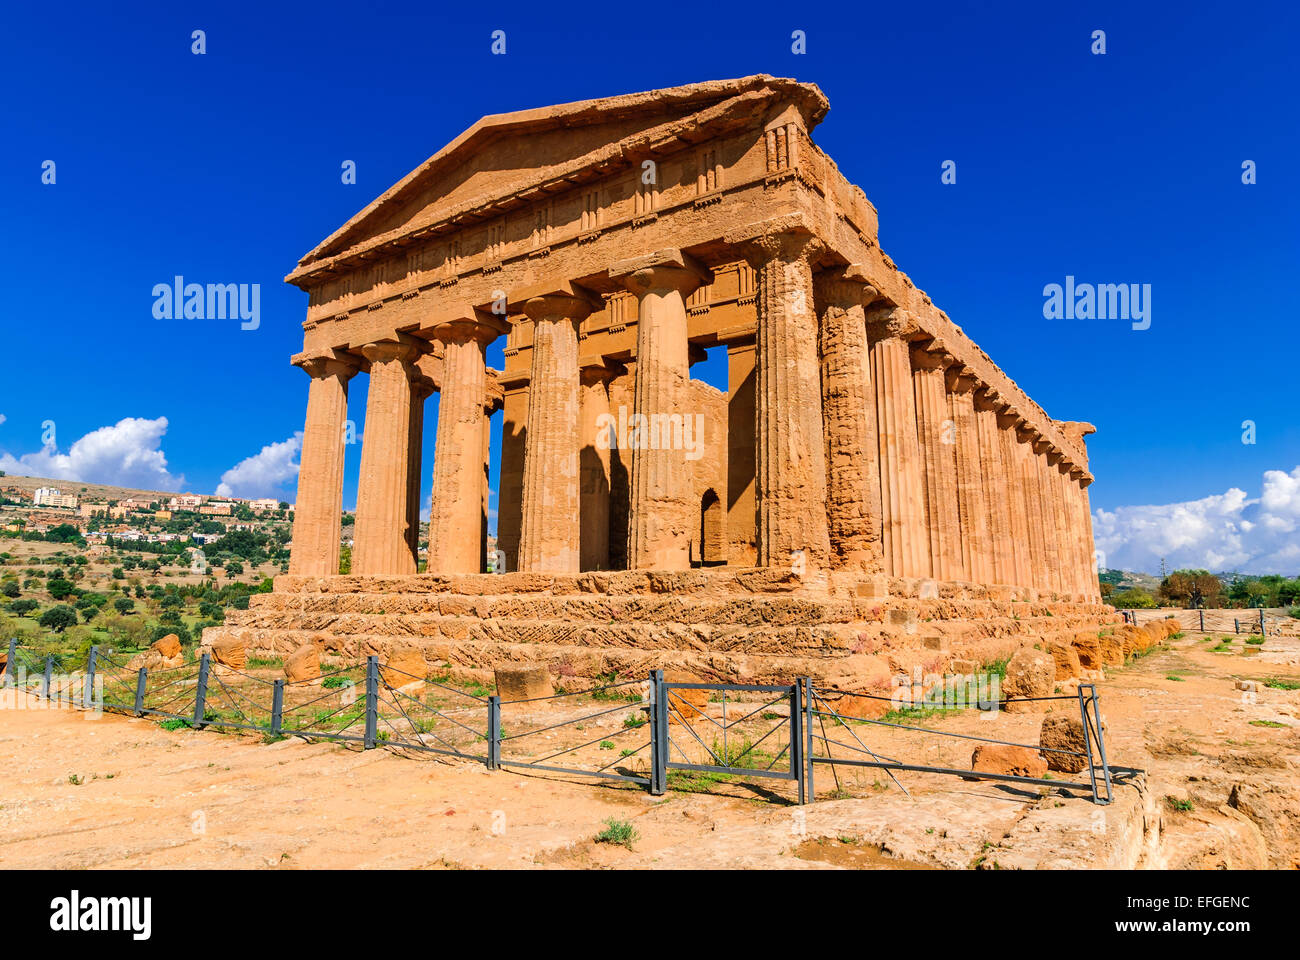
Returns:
<point x="523" y="682"/>
<point x="1063" y="732"/>
<point x="1030" y="673"/>
<point x="163" y="654"/>
<point x="1068" y="662"/>
<point x="1088" y="647"/>
<point x="229" y="650"/>
<point x="860" y="708"/>
<point x="404" y="668"/>
<point x="303" y="663"/>
<point x="685" y="705"/>
<point x="168" y="647"/>
<point x="1011" y="761"/>
<point x="1112" y="650"/>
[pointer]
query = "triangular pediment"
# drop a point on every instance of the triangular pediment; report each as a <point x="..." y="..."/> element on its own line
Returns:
<point x="514" y="156"/>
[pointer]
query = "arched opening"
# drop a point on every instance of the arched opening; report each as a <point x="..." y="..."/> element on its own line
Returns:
<point x="713" y="530"/>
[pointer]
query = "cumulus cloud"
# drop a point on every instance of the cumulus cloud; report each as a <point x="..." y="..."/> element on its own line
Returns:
<point x="1225" y="531"/>
<point x="3" y="418"/>
<point x="265" y="473"/>
<point x="126" y="454"/>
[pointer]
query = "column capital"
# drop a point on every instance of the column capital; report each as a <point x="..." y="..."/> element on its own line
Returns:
<point x="557" y="306"/>
<point x="666" y="269"/>
<point x="344" y="367"/>
<point x="402" y="348"/>
<point x="892" y="323"/>
<point x="597" y="370"/>
<point x="960" y="379"/>
<point x="464" y="322"/>
<point x="931" y="355"/>
<point x="422" y="387"/>
<point x="788" y="237"/>
<point x="844" y="287"/>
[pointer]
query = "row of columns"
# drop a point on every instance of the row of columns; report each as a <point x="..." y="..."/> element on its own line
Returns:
<point x="876" y="449"/>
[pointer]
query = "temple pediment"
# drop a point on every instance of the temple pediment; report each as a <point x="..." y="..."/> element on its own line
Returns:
<point x="509" y="160"/>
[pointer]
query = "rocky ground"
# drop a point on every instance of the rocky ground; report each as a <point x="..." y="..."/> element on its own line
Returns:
<point x="1206" y="777"/>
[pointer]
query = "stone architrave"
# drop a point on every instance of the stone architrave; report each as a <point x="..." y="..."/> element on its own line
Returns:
<point x="456" y="508"/>
<point x="550" y="534"/>
<point x="662" y="511"/>
<point x="380" y="545"/>
<point x="936" y="431"/>
<point x="318" y="512"/>
<point x="849" y="421"/>
<point x="791" y="454"/>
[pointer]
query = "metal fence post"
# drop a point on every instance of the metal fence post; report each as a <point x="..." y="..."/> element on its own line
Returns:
<point x="277" y="707"/>
<point x="372" y="702"/>
<point x="796" y="737"/>
<point x="141" y="682"/>
<point x="9" y="663"/>
<point x="48" y="676"/>
<point x="1087" y="742"/>
<point x="88" y="690"/>
<point x="1202" y="621"/>
<point x="809" y="710"/>
<point x="1236" y="625"/>
<point x="201" y="694"/>
<point x="1261" y="621"/>
<point x="652" y="712"/>
<point x="659" y="752"/>
<point x="494" y="732"/>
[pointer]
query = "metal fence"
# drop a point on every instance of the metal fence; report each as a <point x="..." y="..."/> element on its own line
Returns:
<point x="661" y="734"/>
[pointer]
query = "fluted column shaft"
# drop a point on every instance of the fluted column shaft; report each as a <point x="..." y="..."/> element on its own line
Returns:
<point x="381" y="545"/>
<point x="1033" y="508"/>
<point x="973" y="518"/>
<point x="791" y="455"/>
<point x="594" y="467"/>
<point x="849" y="426"/>
<point x="935" y="430"/>
<point x="550" y="534"/>
<point x="902" y="498"/>
<point x="318" y="512"/>
<point x="662" y="512"/>
<point x="1090" y="543"/>
<point x="1020" y="547"/>
<point x="456" y="509"/>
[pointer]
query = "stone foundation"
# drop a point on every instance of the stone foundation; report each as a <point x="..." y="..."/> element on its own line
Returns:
<point x="755" y="625"/>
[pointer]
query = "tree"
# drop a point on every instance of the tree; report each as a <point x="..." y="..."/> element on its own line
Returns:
<point x="124" y="604"/>
<point x="89" y="613"/>
<point x="58" y="618"/>
<point x="60" y="588"/>
<point x="1133" y="599"/>
<point x="24" y="606"/>
<point x="10" y="588"/>
<point x="1191" y="588"/>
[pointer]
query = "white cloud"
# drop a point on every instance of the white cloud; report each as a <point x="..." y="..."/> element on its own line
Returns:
<point x="1226" y="531"/>
<point x="3" y="418"/>
<point x="265" y="473"/>
<point x="127" y="454"/>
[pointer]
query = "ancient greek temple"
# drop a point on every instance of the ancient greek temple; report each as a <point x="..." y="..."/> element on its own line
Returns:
<point x="612" y="243"/>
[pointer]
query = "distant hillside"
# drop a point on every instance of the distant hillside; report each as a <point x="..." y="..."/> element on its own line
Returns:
<point x="95" y="491"/>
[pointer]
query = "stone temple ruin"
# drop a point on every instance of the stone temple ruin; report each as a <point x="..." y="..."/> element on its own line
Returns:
<point x="871" y="494"/>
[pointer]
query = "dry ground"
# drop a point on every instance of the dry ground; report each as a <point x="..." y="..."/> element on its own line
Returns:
<point x="1220" y="789"/>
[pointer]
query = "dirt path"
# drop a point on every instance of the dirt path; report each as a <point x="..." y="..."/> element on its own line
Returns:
<point x="80" y="791"/>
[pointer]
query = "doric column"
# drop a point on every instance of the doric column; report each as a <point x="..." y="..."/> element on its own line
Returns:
<point x="1065" y="544"/>
<point x="593" y="465"/>
<point x="902" y="497"/>
<point x="318" y="512"/>
<point x="456" y="509"/>
<point x="1074" y="506"/>
<point x="1047" y="510"/>
<point x="972" y="517"/>
<point x="380" y="545"/>
<point x="994" y="477"/>
<point x="1021" y="562"/>
<point x="791" y="475"/>
<point x="661" y="511"/>
<point x="1090" y="544"/>
<point x="421" y="389"/>
<point x="550" y="534"/>
<point x="849" y="421"/>
<point x="936" y="432"/>
<point x="1036" y="544"/>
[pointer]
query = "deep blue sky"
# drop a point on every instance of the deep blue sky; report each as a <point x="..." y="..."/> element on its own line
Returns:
<point x="225" y="168"/>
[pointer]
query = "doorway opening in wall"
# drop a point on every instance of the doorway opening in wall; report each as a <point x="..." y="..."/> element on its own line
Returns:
<point x="713" y="530"/>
